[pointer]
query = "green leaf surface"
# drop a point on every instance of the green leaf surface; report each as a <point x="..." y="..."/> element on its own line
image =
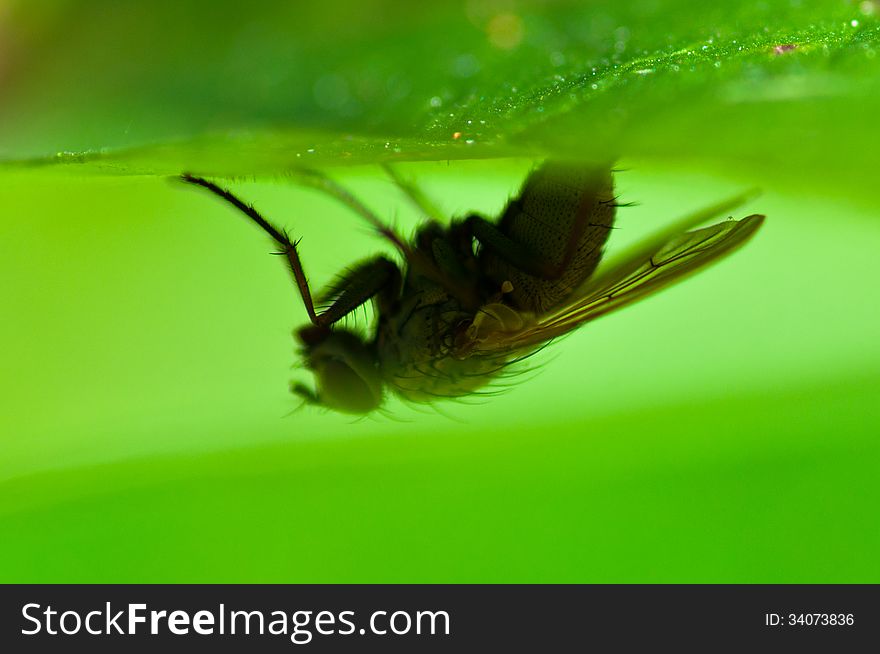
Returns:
<point x="783" y="89"/>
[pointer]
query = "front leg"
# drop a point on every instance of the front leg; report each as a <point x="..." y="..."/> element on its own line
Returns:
<point x="379" y="278"/>
<point x="288" y="247"/>
<point x="351" y="291"/>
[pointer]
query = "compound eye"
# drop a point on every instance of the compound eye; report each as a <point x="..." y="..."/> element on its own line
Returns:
<point x="346" y="373"/>
<point x="341" y="388"/>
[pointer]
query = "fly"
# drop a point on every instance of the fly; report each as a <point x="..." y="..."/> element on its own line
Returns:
<point x="475" y="295"/>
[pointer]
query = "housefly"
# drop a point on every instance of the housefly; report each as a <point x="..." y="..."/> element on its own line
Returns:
<point x="474" y="295"/>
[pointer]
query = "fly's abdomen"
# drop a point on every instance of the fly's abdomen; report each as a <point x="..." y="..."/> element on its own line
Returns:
<point x="562" y="217"/>
<point x="431" y="379"/>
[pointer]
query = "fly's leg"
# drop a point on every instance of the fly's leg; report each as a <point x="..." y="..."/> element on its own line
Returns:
<point x="414" y="193"/>
<point x="306" y="394"/>
<point x="452" y="262"/>
<point x="417" y="259"/>
<point x="288" y="247"/>
<point x="378" y="279"/>
<point x="521" y="256"/>
<point x="452" y="251"/>
<point x="377" y="276"/>
<point x="344" y="363"/>
<point x="321" y="182"/>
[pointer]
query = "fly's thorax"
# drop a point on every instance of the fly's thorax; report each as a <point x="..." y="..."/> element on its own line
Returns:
<point x="418" y="352"/>
<point x="563" y="215"/>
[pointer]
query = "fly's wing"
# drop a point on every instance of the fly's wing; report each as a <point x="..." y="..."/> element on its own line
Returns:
<point x="646" y="270"/>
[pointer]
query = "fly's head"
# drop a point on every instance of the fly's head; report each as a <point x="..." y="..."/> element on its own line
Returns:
<point x="346" y="371"/>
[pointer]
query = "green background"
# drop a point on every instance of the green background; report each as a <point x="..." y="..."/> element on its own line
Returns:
<point x="725" y="430"/>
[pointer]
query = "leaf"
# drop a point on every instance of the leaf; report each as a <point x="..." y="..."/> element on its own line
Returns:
<point x="780" y="88"/>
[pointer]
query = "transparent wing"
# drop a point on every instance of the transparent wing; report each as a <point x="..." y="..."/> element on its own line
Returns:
<point x="639" y="274"/>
